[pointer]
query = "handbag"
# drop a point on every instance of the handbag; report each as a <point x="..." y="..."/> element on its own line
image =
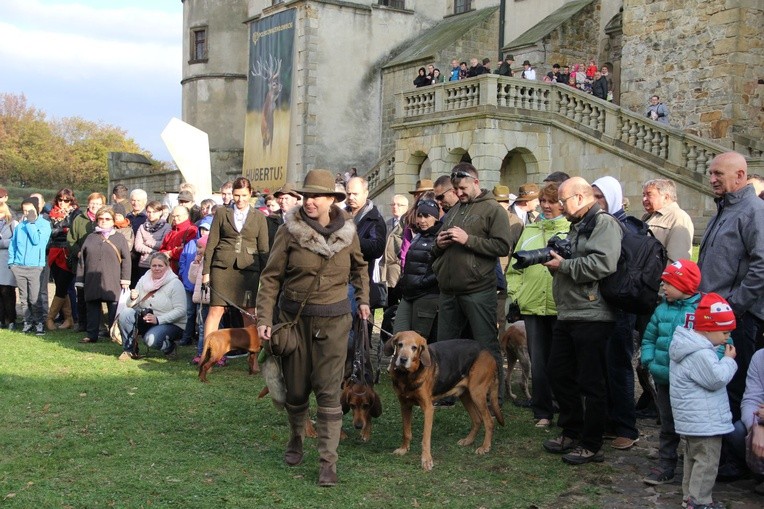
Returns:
<point x="284" y="337"/>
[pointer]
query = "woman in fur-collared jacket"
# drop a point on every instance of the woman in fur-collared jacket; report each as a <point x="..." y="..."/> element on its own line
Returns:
<point x="316" y="232"/>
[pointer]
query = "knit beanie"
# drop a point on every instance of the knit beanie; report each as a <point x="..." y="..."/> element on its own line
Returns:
<point x="714" y="314"/>
<point x="428" y="207"/>
<point x="684" y="275"/>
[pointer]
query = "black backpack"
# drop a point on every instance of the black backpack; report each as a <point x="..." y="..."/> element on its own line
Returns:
<point x="634" y="286"/>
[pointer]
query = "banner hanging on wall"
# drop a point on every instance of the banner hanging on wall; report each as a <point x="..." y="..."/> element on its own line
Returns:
<point x="266" y="134"/>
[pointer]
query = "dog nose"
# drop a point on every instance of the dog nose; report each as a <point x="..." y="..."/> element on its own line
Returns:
<point x="402" y="360"/>
<point x="358" y="425"/>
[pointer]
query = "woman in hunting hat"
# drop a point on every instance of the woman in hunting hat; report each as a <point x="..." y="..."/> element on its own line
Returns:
<point x="318" y="240"/>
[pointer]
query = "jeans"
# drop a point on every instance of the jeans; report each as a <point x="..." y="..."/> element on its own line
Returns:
<point x="200" y="326"/>
<point x="161" y="337"/>
<point x="539" y="332"/>
<point x="620" y="376"/>
<point x="28" y="283"/>
<point x="577" y="373"/>
<point x="477" y="309"/>
<point x="188" y="332"/>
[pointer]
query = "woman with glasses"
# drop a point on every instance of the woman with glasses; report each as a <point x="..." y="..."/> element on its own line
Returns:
<point x="103" y="271"/>
<point x="62" y="216"/>
<point x="83" y="225"/>
<point x="418" y="308"/>
<point x="149" y="236"/>
<point x="531" y="289"/>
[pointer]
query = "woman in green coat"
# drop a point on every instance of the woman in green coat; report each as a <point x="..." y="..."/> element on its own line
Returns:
<point x="531" y="288"/>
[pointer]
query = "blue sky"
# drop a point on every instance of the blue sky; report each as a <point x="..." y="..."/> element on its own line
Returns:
<point x="113" y="61"/>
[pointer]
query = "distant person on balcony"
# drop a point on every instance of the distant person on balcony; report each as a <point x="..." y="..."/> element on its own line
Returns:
<point x="554" y="76"/>
<point x="505" y="69"/>
<point x="454" y="76"/>
<point x="487" y="65"/>
<point x="430" y="71"/>
<point x="421" y="80"/>
<point x="463" y="70"/>
<point x="657" y="110"/>
<point x="605" y="70"/>
<point x="564" y="75"/>
<point x="591" y="69"/>
<point x="476" y="68"/>
<point x="437" y="77"/>
<point x="529" y="73"/>
<point x="599" y="86"/>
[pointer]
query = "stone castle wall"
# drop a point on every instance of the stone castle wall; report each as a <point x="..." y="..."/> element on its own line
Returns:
<point x="703" y="58"/>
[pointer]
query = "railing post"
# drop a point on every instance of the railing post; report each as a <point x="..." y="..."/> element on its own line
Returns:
<point x="611" y="122"/>
<point x="675" y="149"/>
<point x="439" y="98"/>
<point x="400" y="102"/>
<point x="489" y="85"/>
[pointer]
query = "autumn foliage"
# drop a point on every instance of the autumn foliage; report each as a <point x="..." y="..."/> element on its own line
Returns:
<point x="68" y="152"/>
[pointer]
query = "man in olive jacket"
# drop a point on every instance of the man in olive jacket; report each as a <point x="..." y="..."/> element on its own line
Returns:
<point x="576" y="366"/>
<point x="475" y="234"/>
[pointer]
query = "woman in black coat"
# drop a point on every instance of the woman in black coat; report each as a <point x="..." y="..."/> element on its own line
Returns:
<point x="237" y="249"/>
<point x="418" y="307"/>
<point x="422" y="80"/>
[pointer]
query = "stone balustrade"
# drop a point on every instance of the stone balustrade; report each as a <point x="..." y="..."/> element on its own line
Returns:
<point x="381" y="174"/>
<point x="537" y="101"/>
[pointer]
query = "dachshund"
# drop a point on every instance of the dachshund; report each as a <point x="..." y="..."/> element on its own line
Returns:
<point x="220" y="342"/>
<point x="422" y="374"/>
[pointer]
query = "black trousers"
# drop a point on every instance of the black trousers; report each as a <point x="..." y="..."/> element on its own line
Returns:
<point x="577" y="372"/>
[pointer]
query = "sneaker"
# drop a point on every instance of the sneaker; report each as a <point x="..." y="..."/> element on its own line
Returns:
<point x="543" y="423"/>
<point x="658" y="476"/>
<point x="27" y="328"/>
<point x="624" y="443"/>
<point x="126" y="356"/>
<point x="580" y="455"/>
<point x="196" y="360"/>
<point x="39" y="329"/>
<point x="692" y="504"/>
<point x="560" y="445"/>
<point x="12" y="326"/>
<point x="221" y="363"/>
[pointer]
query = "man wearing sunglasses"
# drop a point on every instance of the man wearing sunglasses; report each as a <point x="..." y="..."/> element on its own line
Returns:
<point x="474" y="235"/>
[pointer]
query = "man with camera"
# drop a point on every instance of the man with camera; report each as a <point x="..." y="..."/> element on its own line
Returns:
<point x="474" y="235"/>
<point x="576" y="366"/>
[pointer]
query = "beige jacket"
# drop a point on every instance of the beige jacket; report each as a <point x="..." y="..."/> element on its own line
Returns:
<point x="673" y="228"/>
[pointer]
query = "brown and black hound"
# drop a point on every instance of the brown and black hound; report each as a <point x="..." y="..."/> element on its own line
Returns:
<point x="220" y="342"/>
<point x="363" y="401"/>
<point x="422" y="374"/>
<point x="514" y="342"/>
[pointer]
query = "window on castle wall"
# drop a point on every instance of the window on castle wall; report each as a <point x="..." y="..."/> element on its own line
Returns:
<point x="395" y="4"/>
<point x="199" y="44"/>
<point x="461" y="6"/>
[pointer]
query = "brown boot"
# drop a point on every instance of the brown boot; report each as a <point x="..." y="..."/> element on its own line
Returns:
<point x="53" y="311"/>
<point x="297" y="415"/>
<point x="329" y="427"/>
<point x="66" y="310"/>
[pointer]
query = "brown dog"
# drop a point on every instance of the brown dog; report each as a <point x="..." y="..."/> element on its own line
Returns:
<point x="363" y="400"/>
<point x="514" y="343"/>
<point x="222" y="341"/>
<point x="422" y="374"/>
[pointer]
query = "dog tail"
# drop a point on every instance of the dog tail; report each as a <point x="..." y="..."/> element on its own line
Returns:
<point x="205" y="352"/>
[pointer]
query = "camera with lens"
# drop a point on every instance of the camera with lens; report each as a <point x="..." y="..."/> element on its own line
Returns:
<point x="532" y="257"/>
<point x="141" y="324"/>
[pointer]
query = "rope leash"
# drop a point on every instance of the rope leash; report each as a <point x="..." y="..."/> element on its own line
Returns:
<point x="206" y="286"/>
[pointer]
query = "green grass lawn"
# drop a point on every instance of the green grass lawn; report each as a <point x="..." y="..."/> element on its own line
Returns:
<point x="80" y="429"/>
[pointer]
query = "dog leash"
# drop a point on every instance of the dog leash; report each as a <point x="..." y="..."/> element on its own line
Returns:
<point x="206" y="286"/>
<point x="379" y="351"/>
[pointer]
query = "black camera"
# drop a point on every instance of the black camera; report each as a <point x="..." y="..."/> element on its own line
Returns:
<point x="527" y="258"/>
<point x="142" y="325"/>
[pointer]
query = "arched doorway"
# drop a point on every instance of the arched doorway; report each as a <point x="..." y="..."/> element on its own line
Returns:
<point x="515" y="168"/>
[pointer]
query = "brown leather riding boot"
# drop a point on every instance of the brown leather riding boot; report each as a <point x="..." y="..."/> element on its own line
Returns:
<point x="297" y="415"/>
<point x="329" y="427"/>
<point x="66" y="310"/>
<point x="53" y="310"/>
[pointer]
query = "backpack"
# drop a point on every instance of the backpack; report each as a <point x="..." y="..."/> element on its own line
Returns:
<point x="634" y="286"/>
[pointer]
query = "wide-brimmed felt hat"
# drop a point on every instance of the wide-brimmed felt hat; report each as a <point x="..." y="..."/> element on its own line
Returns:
<point x="320" y="182"/>
<point x="422" y="186"/>
<point x="527" y="192"/>
<point x="526" y="62"/>
<point x="185" y="196"/>
<point x="287" y="188"/>
<point x="501" y="193"/>
<point x="509" y="56"/>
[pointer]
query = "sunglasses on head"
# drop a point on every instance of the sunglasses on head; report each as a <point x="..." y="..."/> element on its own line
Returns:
<point x="461" y="175"/>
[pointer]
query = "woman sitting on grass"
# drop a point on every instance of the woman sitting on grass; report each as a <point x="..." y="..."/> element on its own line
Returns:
<point x="157" y="310"/>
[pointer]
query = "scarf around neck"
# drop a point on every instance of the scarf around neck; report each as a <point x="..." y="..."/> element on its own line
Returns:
<point x="106" y="232"/>
<point x="336" y="221"/>
<point x="154" y="227"/>
<point x="147" y="283"/>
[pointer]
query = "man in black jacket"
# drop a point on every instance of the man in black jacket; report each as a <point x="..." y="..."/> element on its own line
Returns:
<point x="505" y="69"/>
<point x="599" y="86"/>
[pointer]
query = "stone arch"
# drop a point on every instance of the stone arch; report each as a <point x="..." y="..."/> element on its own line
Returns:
<point x="408" y="170"/>
<point x="516" y="166"/>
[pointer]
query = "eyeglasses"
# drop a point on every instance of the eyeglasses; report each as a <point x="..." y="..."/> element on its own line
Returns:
<point x="441" y="196"/>
<point x="461" y="175"/>
<point x="563" y="200"/>
<point x="64" y="200"/>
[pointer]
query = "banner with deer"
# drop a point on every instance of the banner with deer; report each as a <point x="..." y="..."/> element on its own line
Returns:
<point x="266" y="135"/>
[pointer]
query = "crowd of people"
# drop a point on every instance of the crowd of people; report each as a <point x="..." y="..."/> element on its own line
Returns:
<point x="441" y="265"/>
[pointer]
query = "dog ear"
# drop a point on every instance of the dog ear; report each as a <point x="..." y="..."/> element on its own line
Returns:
<point x="389" y="347"/>
<point x="344" y="402"/>
<point x="376" y="404"/>
<point x="424" y="356"/>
